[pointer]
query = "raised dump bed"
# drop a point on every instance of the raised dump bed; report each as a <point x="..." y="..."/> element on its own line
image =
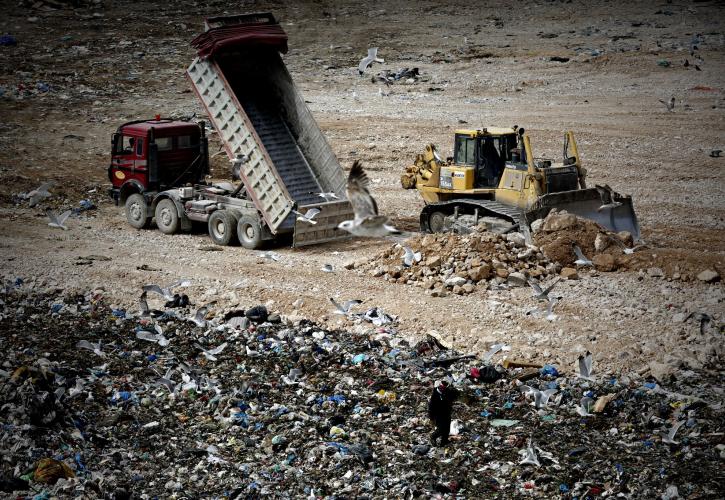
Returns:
<point x="264" y="123"/>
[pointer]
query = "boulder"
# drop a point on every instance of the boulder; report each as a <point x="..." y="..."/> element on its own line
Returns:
<point x="708" y="276"/>
<point x="516" y="238"/>
<point x="502" y="273"/>
<point x="468" y="288"/>
<point x="516" y="279"/>
<point x="455" y="281"/>
<point x="626" y="238"/>
<point x="601" y="242"/>
<point x="434" y="261"/>
<point x="482" y="272"/>
<point x="569" y="273"/>
<point x="655" y="272"/>
<point x="557" y="222"/>
<point x="604" y="262"/>
<point x="536" y="225"/>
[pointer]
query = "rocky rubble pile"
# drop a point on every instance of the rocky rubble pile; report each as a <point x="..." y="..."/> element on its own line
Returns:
<point x="560" y="231"/>
<point x="92" y="406"/>
<point x="461" y="264"/>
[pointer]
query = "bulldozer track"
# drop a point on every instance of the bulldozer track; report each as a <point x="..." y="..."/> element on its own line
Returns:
<point x="490" y="208"/>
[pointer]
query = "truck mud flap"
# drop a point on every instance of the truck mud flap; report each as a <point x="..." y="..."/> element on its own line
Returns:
<point x="331" y="214"/>
<point x="594" y="204"/>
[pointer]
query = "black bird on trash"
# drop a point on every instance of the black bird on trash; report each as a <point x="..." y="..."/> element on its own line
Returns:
<point x="440" y="409"/>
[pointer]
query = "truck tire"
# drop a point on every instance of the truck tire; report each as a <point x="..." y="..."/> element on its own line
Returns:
<point x="249" y="232"/>
<point x="167" y="218"/>
<point x="137" y="211"/>
<point x="222" y="227"/>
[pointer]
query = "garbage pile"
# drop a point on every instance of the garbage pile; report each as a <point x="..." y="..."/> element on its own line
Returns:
<point x="407" y="75"/>
<point x="461" y="264"/>
<point x="107" y="403"/>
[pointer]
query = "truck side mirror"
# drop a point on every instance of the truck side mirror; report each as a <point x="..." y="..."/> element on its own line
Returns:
<point x="114" y="142"/>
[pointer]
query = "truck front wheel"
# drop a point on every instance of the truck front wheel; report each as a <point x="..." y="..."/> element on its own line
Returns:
<point x="167" y="218"/>
<point x="137" y="211"/>
<point x="222" y="227"/>
<point x="250" y="232"/>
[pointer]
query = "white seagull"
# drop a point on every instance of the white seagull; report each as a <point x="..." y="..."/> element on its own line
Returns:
<point x="539" y="398"/>
<point x="542" y="294"/>
<point x="166" y="292"/>
<point x="367" y="61"/>
<point x="344" y="309"/>
<point x="581" y="259"/>
<point x="328" y="196"/>
<point x="39" y="193"/>
<point x="199" y="317"/>
<point x="410" y="256"/>
<point x="308" y="216"/>
<point x="585" y="366"/>
<point x="367" y="222"/>
<point x="211" y="353"/>
<point x="58" y="220"/>
<point x="669" y="438"/>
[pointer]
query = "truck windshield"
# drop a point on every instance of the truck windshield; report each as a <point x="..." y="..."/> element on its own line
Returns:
<point x="465" y="150"/>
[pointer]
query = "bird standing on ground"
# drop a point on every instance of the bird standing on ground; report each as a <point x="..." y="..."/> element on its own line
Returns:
<point x="410" y="257"/>
<point x="367" y="222"/>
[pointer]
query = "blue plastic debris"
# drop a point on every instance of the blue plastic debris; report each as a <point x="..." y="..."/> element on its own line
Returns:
<point x="43" y="87"/>
<point x="485" y="413"/>
<point x="508" y="405"/>
<point x="563" y="488"/>
<point x="359" y="358"/>
<point x="650" y="385"/>
<point x="151" y="357"/>
<point x="87" y="205"/>
<point x="56" y="308"/>
<point x="19" y="282"/>
<point x="549" y="370"/>
<point x="119" y="313"/>
<point x="8" y="41"/>
<point x="79" y="461"/>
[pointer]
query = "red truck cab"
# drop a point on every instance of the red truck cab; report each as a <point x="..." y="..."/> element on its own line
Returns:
<point x="149" y="156"/>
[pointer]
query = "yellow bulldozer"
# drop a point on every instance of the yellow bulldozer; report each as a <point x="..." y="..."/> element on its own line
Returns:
<point x="494" y="179"/>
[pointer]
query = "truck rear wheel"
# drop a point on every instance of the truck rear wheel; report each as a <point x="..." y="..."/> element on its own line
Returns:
<point x="222" y="227"/>
<point x="250" y="232"/>
<point x="137" y="211"/>
<point x="167" y="218"/>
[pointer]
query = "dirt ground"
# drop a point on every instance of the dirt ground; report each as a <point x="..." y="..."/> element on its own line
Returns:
<point x="77" y="73"/>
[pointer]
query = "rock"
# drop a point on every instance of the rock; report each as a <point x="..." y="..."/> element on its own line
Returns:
<point x="516" y="238"/>
<point x="626" y="238"/>
<point x="557" y="222"/>
<point x="601" y="242"/>
<point x="483" y="272"/>
<point x="349" y="264"/>
<point x="661" y="371"/>
<point x="434" y="261"/>
<point x="536" y="225"/>
<point x="439" y="292"/>
<point x="469" y="288"/>
<point x="455" y="281"/>
<point x="708" y="276"/>
<point x="458" y="290"/>
<point x="502" y="273"/>
<point x="516" y="279"/>
<point x="604" y="262"/>
<point x="655" y="272"/>
<point x="569" y="273"/>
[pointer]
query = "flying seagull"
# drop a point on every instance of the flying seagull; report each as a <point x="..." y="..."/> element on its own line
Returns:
<point x="581" y="260"/>
<point x="624" y="247"/>
<point x="550" y="309"/>
<point x="410" y="256"/>
<point x="367" y="222"/>
<point x="609" y="206"/>
<point x="367" y="61"/>
<point x="308" y="216"/>
<point x="39" y="193"/>
<point x="152" y="337"/>
<point x="585" y="366"/>
<point x="211" y="353"/>
<point x="58" y="220"/>
<point x="493" y="350"/>
<point x="328" y="196"/>
<point x="670" y="105"/>
<point x="198" y="317"/>
<point x="670" y="437"/>
<point x="529" y="454"/>
<point x="166" y="292"/>
<point x="539" y="398"/>
<point x="542" y="294"/>
<point x="344" y="309"/>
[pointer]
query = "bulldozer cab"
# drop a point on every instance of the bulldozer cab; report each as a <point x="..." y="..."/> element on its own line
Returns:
<point x="486" y="151"/>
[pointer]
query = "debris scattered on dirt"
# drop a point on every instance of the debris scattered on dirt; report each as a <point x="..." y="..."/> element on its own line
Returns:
<point x="294" y="409"/>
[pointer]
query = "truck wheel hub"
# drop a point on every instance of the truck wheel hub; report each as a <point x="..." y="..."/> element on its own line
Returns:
<point x="220" y="229"/>
<point x="135" y="211"/>
<point x="166" y="217"/>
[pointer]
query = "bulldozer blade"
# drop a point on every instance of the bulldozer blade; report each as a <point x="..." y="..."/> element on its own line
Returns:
<point x="610" y="209"/>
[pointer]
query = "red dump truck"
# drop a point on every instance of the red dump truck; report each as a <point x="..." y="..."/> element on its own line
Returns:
<point x="158" y="167"/>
